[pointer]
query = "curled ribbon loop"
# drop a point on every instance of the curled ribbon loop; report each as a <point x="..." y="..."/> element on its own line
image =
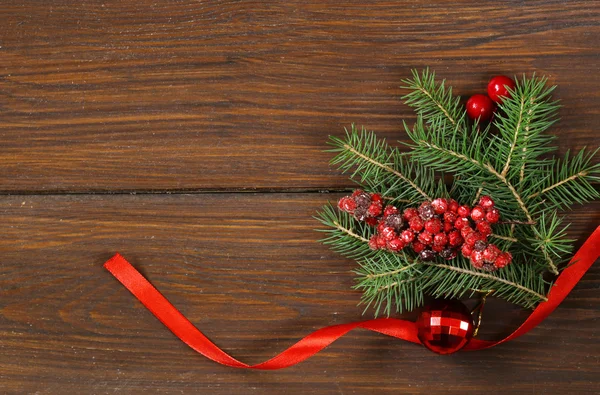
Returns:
<point x="318" y="340"/>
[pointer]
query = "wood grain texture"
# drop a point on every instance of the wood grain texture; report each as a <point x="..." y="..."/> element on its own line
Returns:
<point x="186" y="95"/>
<point x="254" y="283"/>
<point x="162" y="97"/>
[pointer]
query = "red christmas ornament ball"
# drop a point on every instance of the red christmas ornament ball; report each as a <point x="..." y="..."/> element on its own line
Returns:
<point x="497" y="88"/>
<point x="480" y="106"/>
<point x="445" y="326"/>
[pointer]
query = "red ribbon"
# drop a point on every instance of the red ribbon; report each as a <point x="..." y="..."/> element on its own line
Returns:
<point x="318" y="340"/>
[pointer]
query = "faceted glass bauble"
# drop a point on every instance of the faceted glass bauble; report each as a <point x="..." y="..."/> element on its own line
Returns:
<point x="445" y="326"/>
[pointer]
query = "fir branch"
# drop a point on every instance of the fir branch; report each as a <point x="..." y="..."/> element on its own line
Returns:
<point x="381" y="167"/>
<point x="433" y="101"/>
<point x="571" y="182"/>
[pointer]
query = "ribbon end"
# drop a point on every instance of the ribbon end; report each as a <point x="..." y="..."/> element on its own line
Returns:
<point x="116" y="260"/>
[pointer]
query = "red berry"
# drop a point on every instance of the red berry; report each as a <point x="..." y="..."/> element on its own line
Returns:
<point x="395" y="244"/>
<point x="347" y="204"/>
<point x="433" y="225"/>
<point x="389" y="210"/>
<point x="371" y="221"/>
<point x="502" y="260"/>
<point x="455" y="239"/>
<point x="466" y="231"/>
<point x="448" y="227"/>
<point x="450" y="217"/>
<point x="477" y="259"/>
<point x="438" y="247"/>
<point x="466" y="250"/>
<point x="408" y="236"/>
<point x="374" y="209"/>
<point x="484" y="228"/>
<point x="463" y="211"/>
<point x="357" y="192"/>
<point x="461" y="222"/>
<point x="486" y="202"/>
<point x="409" y="213"/>
<point x="416" y="223"/>
<point x="376" y="198"/>
<point x="453" y="205"/>
<point x="440" y="239"/>
<point x="478" y="213"/>
<point x="380" y="225"/>
<point x="418" y="246"/>
<point x="388" y="233"/>
<point x="381" y="241"/>
<point x="496" y="88"/>
<point x="492" y="216"/>
<point x="480" y="106"/>
<point x="440" y="206"/>
<point x="491" y="253"/>
<point x="425" y="237"/>
<point x="472" y="238"/>
<point x="373" y="242"/>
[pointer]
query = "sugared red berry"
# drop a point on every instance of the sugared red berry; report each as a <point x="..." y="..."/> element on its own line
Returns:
<point x="433" y="225"/>
<point x="371" y="221"/>
<point x="437" y="248"/>
<point x="347" y="204"/>
<point x="374" y="209"/>
<point x="502" y="260"/>
<point x="373" y="242"/>
<point x="454" y="238"/>
<point x="409" y="213"/>
<point x="363" y="200"/>
<point x="461" y="223"/>
<point x="448" y="227"/>
<point x="478" y="213"/>
<point x="477" y="259"/>
<point x="407" y="235"/>
<point x="492" y="216"/>
<point x="463" y="211"/>
<point x="491" y="253"/>
<point x="395" y="244"/>
<point x="380" y="226"/>
<point x="427" y="255"/>
<point x="466" y="231"/>
<point x="466" y="250"/>
<point x="376" y="198"/>
<point x="448" y="253"/>
<point x="496" y="88"/>
<point x="426" y="211"/>
<point x="388" y="233"/>
<point x="484" y="228"/>
<point x="425" y="237"/>
<point x="486" y="202"/>
<point x="381" y="241"/>
<point x="416" y="224"/>
<point x="395" y="221"/>
<point x="418" y="246"/>
<point x="389" y="210"/>
<point x="440" y="239"/>
<point x="450" y="217"/>
<point x="479" y="245"/>
<point x="480" y="107"/>
<point x="472" y="238"/>
<point x="453" y="206"/>
<point x="440" y="206"/>
<point x="357" y="192"/>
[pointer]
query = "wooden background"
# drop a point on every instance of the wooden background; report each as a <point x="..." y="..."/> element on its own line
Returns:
<point x="189" y="136"/>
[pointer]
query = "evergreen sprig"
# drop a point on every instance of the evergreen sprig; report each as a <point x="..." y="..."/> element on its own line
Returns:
<point x="510" y="161"/>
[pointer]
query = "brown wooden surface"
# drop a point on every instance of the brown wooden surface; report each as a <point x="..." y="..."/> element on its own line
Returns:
<point x="184" y="96"/>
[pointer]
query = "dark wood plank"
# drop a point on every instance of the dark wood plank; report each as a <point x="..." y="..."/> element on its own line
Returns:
<point x="247" y="270"/>
<point x="146" y="95"/>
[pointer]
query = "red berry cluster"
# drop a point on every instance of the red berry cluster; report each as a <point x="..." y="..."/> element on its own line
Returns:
<point x="440" y="227"/>
<point x="366" y="207"/>
<point x="482" y="106"/>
